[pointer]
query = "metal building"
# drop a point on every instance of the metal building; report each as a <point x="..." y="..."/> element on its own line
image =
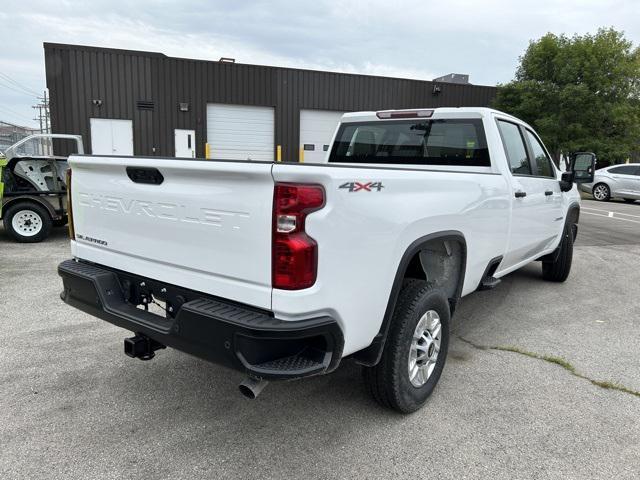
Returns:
<point x="128" y="102"/>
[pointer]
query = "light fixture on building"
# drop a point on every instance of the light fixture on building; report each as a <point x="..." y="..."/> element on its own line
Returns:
<point x="183" y="106"/>
<point x="436" y="90"/>
<point x="227" y="60"/>
<point x="97" y="102"/>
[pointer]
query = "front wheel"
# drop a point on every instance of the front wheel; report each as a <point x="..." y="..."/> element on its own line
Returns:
<point x="558" y="270"/>
<point x="415" y="351"/>
<point x="601" y="192"/>
<point x="27" y="222"/>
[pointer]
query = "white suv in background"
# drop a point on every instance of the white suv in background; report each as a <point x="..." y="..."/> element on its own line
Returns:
<point x="616" y="181"/>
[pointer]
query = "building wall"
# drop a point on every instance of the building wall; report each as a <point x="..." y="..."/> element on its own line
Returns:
<point x="76" y="75"/>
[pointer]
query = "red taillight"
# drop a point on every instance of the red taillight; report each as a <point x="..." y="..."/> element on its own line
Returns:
<point x="294" y="253"/>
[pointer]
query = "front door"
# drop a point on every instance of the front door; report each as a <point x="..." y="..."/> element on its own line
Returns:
<point x="548" y="184"/>
<point x="536" y="216"/>
<point x="185" y="141"/>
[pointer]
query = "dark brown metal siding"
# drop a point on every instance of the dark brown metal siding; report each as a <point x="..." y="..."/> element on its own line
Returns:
<point x="76" y="75"/>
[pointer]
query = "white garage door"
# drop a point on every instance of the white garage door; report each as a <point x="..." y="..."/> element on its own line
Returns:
<point x="111" y="137"/>
<point x="240" y="132"/>
<point x="316" y="131"/>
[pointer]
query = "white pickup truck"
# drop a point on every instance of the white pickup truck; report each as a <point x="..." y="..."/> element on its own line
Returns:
<point x="281" y="270"/>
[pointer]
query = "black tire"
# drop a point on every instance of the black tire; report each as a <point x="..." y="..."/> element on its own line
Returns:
<point x="388" y="381"/>
<point x="630" y="200"/>
<point x="605" y="196"/>
<point x="35" y="213"/>
<point x="559" y="270"/>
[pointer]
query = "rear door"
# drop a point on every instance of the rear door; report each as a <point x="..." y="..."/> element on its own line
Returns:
<point x="636" y="182"/>
<point x="626" y="180"/>
<point x="203" y="225"/>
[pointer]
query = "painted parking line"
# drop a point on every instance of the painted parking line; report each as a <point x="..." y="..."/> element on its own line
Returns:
<point x="610" y="213"/>
<point x="610" y="216"/>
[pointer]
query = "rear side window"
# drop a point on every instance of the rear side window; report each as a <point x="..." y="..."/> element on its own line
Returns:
<point x="625" y="170"/>
<point x="514" y="147"/>
<point x="412" y="142"/>
<point x="543" y="162"/>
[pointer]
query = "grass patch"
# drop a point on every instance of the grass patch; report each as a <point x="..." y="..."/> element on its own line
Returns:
<point x="614" y="386"/>
<point x="557" y="361"/>
<point x="547" y="358"/>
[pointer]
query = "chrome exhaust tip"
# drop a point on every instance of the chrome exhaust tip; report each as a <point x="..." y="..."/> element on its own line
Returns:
<point x="251" y="387"/>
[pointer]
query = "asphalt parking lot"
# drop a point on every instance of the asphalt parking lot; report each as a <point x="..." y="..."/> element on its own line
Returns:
<point x="73" y="406"/>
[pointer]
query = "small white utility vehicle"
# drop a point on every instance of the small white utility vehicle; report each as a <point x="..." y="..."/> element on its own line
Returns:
<point x="33" y="191"/>
<point x="281" y="270"/>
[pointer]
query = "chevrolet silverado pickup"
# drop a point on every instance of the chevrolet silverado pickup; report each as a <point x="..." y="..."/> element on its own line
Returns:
<point x="281" y="270"/>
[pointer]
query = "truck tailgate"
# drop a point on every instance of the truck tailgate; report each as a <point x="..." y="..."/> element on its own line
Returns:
<point x="206" y="226"/>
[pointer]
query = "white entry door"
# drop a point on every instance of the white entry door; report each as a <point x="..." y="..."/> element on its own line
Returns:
<point x="111" y="137"/>
<point x="316" y="131"/>
<point x="240" y="132"/>
<point x="185" y="141"/>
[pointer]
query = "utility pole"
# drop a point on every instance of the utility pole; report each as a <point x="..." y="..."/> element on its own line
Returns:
<point x="43" y="118"/>
<point x="46" y="113"/>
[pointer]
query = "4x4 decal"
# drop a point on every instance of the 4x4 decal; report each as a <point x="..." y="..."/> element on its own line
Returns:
<point x="365" y="187"/>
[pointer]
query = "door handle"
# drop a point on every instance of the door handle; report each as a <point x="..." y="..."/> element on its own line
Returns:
<point x="520" y="194"/>
<point x="548" y="192"/>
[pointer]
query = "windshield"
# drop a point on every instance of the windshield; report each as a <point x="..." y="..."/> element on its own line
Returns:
<point x="413" y="142"/>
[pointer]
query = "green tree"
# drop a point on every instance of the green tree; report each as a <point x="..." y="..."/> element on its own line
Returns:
<point x="579" y="93"/>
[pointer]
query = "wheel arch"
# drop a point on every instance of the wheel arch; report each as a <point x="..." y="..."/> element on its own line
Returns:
<point x="29" y="199"/>
<point x="371" y="355"/>
<point x="573" y="217"/>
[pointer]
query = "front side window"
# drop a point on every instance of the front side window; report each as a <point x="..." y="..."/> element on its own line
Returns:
<point x="412" y="142"/>
<point x="543" y="162"/>
<point x="515" y="148"/>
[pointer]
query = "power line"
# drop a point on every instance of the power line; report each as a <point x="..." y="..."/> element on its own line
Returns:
<point x="14" y="113"/>
<point x="18" y="84"/>
<point x="10" y="87"/>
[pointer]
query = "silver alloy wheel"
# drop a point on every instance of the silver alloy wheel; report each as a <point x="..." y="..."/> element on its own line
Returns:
<point x="601" y="192"/>
<point x="425" y="346"/>
<point x="27" y="223"/>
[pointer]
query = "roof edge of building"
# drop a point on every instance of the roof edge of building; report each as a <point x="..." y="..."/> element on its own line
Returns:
<point x="64" y="46"/>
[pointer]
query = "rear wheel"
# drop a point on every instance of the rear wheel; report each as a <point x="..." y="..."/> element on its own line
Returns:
<point x="415" y="351"/>
<point x="558" y="270"/>
<point x="601" y="192"/>
<point x="27" y="222"/>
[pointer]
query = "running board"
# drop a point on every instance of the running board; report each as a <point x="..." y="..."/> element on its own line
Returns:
<point x="489" y="282"/>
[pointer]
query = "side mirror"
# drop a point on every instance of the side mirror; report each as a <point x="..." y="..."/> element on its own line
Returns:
<point x="583" y="166"/>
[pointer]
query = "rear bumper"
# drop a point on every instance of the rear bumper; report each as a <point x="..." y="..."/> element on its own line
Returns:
<point x="223" y="332"/>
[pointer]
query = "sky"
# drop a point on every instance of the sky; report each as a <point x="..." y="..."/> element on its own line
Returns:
<point x="420" y="39"/>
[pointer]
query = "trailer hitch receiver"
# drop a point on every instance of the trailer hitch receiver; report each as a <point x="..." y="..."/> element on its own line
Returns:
<point x="141" y="347"/>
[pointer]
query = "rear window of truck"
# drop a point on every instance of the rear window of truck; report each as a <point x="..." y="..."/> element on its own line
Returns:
<point x="413" y="142"/>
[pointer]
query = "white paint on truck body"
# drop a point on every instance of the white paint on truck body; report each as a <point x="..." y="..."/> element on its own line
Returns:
<point x="208" y="226"/>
